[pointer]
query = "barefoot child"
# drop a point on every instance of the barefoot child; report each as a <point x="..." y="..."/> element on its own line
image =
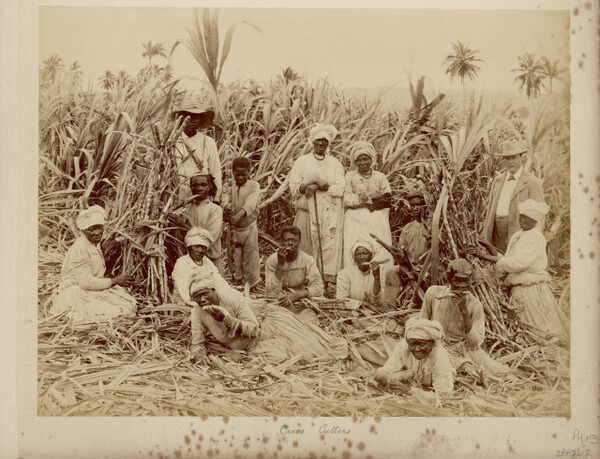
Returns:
<point x="241" y="214"/>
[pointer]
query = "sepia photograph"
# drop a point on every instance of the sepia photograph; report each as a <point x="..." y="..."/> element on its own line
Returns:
<point x="305" y="215"/>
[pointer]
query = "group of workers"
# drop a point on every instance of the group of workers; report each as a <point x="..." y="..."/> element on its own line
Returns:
<point x="337" y="246"/>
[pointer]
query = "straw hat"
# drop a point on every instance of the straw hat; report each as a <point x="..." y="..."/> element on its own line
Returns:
<point x="512" y="148"/>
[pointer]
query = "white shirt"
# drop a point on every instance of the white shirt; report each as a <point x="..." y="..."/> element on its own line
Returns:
<point x="506" y="193"/>
<point x="205" y="150"/>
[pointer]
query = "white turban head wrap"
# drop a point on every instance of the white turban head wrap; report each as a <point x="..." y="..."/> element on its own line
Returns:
<point x="94" y="215"/>
<point x="417" y="328"/>
<point x="323" y="131"/>
<point x="201" y="281"/>
<point x="367" y="243"/>
<point x="362" y="147"/>
<point x="198" y="236"/>
<point x="534" y="209"/>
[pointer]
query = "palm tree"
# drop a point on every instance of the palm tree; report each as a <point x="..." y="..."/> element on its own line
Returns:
<point x="151" y="50"/>
<point x="462" y="63"/>
<point x="531" y="76"/>
<point x="51" y="66"/>
<point x="551" y="70"/>
<point x="107" y="81"/>
<point x="75" y="72"/>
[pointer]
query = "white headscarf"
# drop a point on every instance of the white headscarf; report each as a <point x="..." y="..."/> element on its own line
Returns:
<point x="417" y="328"/>
<point x="363" y="242"/>
<point x="201" y="281"/>
<point x="94" y="215"/>
<point x="362" y="147"/>
<point x="323" y="131"/>
<point x="534" y="209"/>
<point x="198" y="236"/>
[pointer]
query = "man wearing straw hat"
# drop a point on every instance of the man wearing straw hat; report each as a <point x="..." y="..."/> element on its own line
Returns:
<point x="195" y="151"/>
<point x="512" y="186"/>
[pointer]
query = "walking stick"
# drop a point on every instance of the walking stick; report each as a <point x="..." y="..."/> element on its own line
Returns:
<point x="319" y="237"/>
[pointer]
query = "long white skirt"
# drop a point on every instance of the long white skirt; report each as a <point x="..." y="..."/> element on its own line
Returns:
<point x="92" y="305"/>
<point x="361" y="222"/>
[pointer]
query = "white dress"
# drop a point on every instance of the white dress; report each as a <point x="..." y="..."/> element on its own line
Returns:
<point x="84" y="291"/>
<point x="360" y="222"/>
<point x="329" y="209"/>
<point x="525" y="262"/>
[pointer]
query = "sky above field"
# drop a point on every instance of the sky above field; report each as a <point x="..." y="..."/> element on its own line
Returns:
<point x="353" y="48"/>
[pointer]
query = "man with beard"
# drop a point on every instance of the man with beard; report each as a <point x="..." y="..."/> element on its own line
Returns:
<point x="293" y="274"/>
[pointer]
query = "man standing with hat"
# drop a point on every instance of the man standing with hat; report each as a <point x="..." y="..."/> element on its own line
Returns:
<point x="509" y="188"/>
<point x="196" y="152"/>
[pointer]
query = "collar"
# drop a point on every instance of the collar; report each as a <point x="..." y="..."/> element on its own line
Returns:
<point x="516" y="175"/>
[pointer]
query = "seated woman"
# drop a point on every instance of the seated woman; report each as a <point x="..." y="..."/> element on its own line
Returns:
<point x="525" y="263"/>
<point x="361" y="280"/>
<point x="84" y="291"/>
<point x="281" y="334"/>
<point x="419" y="359"/>
<point x="293" y="274"/>
<point x="367" y="199"/>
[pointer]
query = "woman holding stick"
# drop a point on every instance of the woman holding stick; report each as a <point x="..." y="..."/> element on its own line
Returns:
<point x="317" y="186"/>
<point x="84" y="291"/>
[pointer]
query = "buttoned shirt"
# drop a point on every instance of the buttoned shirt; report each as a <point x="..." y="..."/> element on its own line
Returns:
<point x="506" y="193"/>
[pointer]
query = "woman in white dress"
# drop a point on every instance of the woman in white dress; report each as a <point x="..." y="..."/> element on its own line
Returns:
<point x="319" y="178"/>
<point x="525" y="264"/>
<point x="367" y="199"/>
<point x="84" y="291"/>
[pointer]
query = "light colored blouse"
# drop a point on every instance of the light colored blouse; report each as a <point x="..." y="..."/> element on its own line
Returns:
<point x="84" y="265"/>
<point x="438" y="305"/>
<point x="374" y="186"/>
<point x="307" y="168"/>
<point x="354" y="284"/>
<point x="413" y="238"/>
<point x="525" y="258"/>
<point x="434" y="370"/>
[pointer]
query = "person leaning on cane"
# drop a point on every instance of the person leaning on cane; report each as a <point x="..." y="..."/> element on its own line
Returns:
<point x="317" y="186"/>
<point x="509" y="188"/>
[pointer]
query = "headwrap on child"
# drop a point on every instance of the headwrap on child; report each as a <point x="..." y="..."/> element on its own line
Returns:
<point x="534" y="209"/>
<point x="323" y="131"/>
<point x="362" y="147"/>
<point x="417" y="328"/>
<point x="94" y="215"/>
<point x="198" y="236"/>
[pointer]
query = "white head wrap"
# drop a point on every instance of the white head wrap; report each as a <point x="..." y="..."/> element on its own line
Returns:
<point x="323" y="131"/>
<point x="200" y="281"/>
<point x="534" y="209"/>
<point x="198" y="236"/>
<point x="94" y="215"/>
<point x="362" y="147"/>
<point x="363" y="242"/>
<point x="417" y="328"/>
